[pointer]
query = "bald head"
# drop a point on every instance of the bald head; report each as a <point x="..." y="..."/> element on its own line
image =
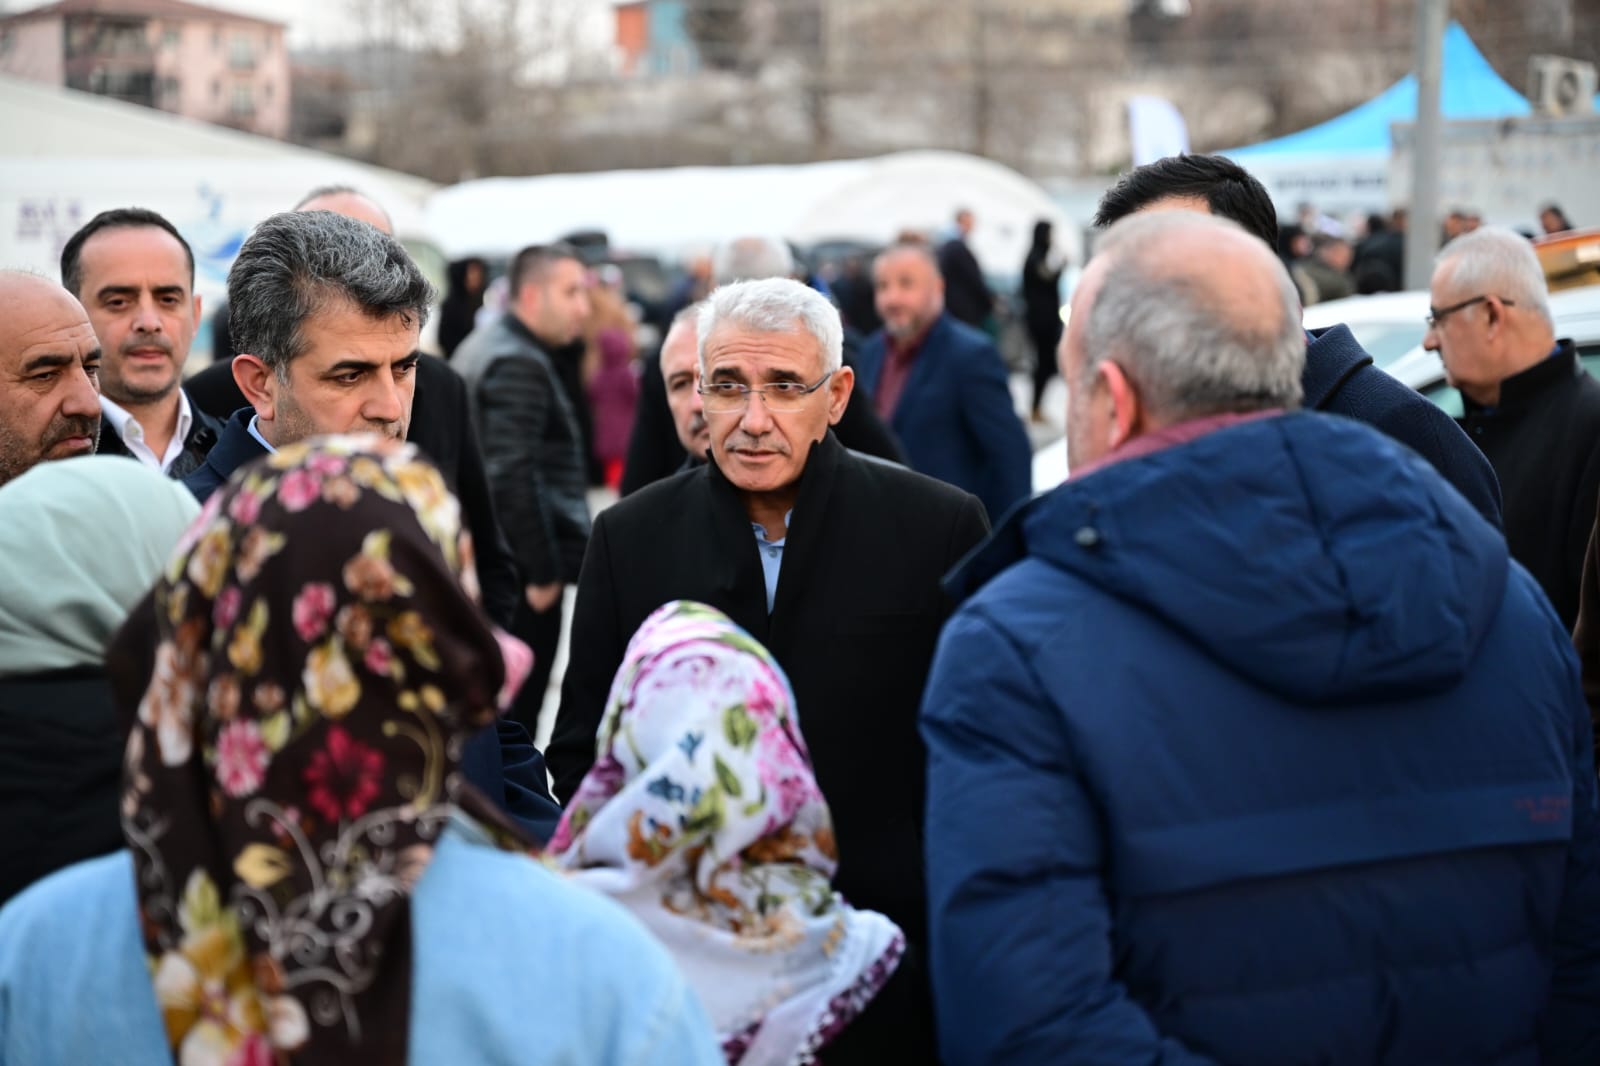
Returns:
<point x="49" y="375"/>
<point x="1198" y="317"/>
<point x="349" y="203"/>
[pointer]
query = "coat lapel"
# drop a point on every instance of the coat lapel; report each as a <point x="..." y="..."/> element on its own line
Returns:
<point x="735" y="564"/>
<point x="806" y="528"/>
<point x="923" y="370"/>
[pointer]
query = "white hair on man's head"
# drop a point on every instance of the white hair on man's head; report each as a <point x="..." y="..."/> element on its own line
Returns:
<point x="1494" y="261"/>
<point x="775" y="305"/>
<point x="1190" y="352"/>
<point x="750" y="259"/>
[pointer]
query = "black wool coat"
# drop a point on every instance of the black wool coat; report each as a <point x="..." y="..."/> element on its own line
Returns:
<point x="855" y="619"/>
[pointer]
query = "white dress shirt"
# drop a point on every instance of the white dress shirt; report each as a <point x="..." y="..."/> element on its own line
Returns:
<point x="132" y="433"/>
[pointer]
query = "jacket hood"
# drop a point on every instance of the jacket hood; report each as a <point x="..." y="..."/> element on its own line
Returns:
<point x="1332" y="355"/>
<point x="1307" y="553"/>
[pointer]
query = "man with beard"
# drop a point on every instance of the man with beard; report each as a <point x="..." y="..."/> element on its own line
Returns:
<point x="325" y="314"/>
<point x="830" y="559"/>
<point x="941" y="385"/>
<point x="134" y="274"/>
<point x="49" y="371"/>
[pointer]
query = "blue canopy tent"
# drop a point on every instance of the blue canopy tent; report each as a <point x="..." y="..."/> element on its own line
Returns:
<point x="1342" y="164"/>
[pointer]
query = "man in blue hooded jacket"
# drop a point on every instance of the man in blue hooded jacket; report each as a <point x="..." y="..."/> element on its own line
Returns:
<point x="1340" y="377"/>
<point x="1241" y="754"/>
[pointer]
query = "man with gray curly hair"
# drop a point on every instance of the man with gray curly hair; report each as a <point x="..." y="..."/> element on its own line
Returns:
<point x="325" y="312"/>
<point x="1231" y="717"/>
<point x="829" y="558"/>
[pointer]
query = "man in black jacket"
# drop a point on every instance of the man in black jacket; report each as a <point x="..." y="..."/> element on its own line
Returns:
<point x="134" y="274"/>
<point x="532" y="445"/>
<point x="831" y="560"/>
<point x="966" y="292"/>
<point x="1529" y="404"/>
<point x="1340" y="377"/>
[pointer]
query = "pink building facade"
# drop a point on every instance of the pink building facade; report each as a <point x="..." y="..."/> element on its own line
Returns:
<point x="199" y="62"/>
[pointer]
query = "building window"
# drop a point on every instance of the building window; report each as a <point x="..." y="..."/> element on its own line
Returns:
<point x="170" y="39"/>
<point x="241" y="53"/>
<point x="216" y="88"/>
<point x="169" y="90"/>
<point x="242" y="104"/>
<point x="266" y="92"/>
<point x="216" y="38"/>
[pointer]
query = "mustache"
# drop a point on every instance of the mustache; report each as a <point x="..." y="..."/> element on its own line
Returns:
<point x="74" y="426"/>
<point x="739" y="439"/>
<point x="131" y="345"/>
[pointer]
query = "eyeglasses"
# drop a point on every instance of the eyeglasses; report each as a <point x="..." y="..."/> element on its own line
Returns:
<point x="1437" y="315"/>
<point x="724" y="396"/>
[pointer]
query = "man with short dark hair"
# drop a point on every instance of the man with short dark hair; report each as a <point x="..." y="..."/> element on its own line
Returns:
<point x="532" y="444"/>
<point x="1340" y="377"/>
<point x="326" y="311"/>
<point x="1237" y="753"/>
<point x="134" y="274"/>
<point x="49" y="376"/>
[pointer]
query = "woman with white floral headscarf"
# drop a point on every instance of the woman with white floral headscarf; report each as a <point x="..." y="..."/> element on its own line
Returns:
<point x="309" y="877"/>
<point x="702" y="816"/>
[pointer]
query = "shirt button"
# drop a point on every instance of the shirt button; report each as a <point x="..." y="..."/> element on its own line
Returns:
<point x="1087" y="537"/>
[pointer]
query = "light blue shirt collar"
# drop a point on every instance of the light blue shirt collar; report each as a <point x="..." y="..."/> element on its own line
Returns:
<point x="255" y="431"/>
<point x="771" y="552"/>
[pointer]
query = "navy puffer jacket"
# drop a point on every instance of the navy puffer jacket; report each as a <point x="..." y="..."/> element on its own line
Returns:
<point x="1245" y="755"/>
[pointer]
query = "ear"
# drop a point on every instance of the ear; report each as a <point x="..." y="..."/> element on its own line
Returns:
<point x="258" y="383"/>
<point x="197" y="309"/>
<point x="840" y="386"/>
<point x="1127" y="417"/>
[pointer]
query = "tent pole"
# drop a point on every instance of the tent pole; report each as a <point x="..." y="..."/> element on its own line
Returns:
<point x="1422" y="229"/>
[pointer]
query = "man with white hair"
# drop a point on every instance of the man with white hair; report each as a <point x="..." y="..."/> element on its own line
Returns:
<point x="654" y="451"/>
<point x="1241" y="753"/>
<point x="831" y="560"/>
<point x="1529" y="405"/>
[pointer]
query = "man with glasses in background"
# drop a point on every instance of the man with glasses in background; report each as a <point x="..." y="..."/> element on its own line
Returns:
<point x="830" y="559"/>
<point x="1529" y="404"/>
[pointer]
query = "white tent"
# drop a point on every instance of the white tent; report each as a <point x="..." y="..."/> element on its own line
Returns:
<point x="65" y="156"/>
<point x="675" y="210"/>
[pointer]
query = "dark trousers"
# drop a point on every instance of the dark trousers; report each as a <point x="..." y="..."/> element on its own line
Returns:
<point x="541" y="632"/>
<point x="1045" y="340"/>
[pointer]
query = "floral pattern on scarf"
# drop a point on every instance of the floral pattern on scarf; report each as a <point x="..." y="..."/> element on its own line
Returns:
<point x="702" y="815"/>
<point x="320" y="660"/>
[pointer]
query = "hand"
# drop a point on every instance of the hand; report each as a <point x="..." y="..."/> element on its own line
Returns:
<point x="543" y="597"/>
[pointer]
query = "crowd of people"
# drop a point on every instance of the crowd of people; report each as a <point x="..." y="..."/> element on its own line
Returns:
<point x="1264" y="738"/>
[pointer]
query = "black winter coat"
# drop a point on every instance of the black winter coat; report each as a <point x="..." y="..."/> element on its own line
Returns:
<point x="204" y="429"/>
<point x="1543" y="440"/>
<point x="532" y="448"/>
<point x="854" y="623"/>
<point x="60" y="774"/>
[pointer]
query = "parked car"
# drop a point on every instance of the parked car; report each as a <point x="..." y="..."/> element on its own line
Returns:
<point x="1386" y="324"/>
<point x="1577" y="315"/>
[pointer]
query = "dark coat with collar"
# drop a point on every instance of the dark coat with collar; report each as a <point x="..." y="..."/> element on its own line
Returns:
<point x="441" y="425"/>
<point x="1544" y="443"/>
<point x="502" y="762"/>
<point x="204" y="430"/>
<point x="955" y="417"/>
<point x="854" y="622"/>
<point x="1341" y="379"/>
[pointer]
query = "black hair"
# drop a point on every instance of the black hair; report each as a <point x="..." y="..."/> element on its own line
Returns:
<point x="116" y="218"/>
<point x="532" y="264"/>
<point x="1227" y="188"/>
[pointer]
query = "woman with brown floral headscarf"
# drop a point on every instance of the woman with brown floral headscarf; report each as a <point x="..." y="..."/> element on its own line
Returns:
<point x="311" y="879"/>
